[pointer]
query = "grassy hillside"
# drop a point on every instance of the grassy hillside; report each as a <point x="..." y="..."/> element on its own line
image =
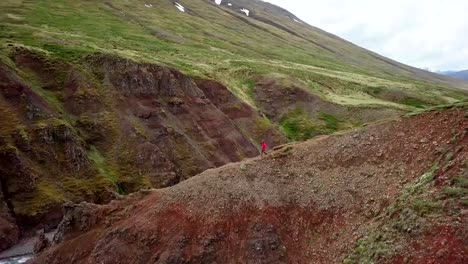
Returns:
<point x="222" y="43"/>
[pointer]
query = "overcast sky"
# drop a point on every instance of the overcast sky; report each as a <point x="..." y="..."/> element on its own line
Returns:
<point x="423" y="33"/>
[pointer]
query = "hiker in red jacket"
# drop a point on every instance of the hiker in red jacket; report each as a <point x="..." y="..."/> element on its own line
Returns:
<point x="263" y="147"/>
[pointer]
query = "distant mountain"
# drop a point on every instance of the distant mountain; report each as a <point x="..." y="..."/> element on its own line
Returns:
<point x="463" y="75"/>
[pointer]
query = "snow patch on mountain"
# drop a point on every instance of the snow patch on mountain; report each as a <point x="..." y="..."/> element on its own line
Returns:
<point x="149" y="5"/>
<point x="180" y="7"/>
<point x="229" y="4"/>
<point x="218" y="2"/>
<point x="246" y="11"/>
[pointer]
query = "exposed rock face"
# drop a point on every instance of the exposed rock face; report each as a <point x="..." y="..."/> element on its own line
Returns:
<point x="84" y="132"/>
<point x="9" y="232"/>
<point x="77" y="218"/>
<point x="241" y="113"/>
<point x="179" y="117"/>
<point x="42" y="243"/>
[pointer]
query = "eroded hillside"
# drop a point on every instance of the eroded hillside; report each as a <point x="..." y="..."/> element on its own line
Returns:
<point x="394" y="192"/>
<point x="111" y="127"/>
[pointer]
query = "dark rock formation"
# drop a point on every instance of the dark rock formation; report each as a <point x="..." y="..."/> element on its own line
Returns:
<point x="9" y="232"/>
<point x="42" y="243"/>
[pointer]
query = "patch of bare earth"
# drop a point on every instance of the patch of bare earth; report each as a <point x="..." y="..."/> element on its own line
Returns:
<point x="303" y="203"/>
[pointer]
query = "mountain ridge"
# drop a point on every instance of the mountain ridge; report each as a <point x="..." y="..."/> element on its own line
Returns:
<point x="463" y="75"/>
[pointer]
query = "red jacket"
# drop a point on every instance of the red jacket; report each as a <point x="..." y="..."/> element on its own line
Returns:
<point x="263" y="146"/>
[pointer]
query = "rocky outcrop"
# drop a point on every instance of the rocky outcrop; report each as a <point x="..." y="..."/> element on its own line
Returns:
<point x="9" y="234"/>
<point x="77" y="218"/>
<point x="9" y="231"/>
<point x="174" y="116"/>
<point x="41" y="244"/>
<point x="243" y="115"/>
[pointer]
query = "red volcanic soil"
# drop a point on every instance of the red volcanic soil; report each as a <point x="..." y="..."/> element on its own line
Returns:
<point x="303" y="203"/>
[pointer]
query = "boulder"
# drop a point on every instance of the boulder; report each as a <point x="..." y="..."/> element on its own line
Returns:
<point x="42" y="243"/>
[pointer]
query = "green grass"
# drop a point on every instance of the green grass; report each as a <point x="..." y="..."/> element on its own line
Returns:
<point x="211" y="43"/>
<point x="375" y="246"/>
<point x="461" y="181"/>
<point x="455" y="192"/>
<point x="461" y="105"/>
<point x="413" y="191"/>
<point x="262" y="126"/>
<point x="414" y="102"/>
<point x="105" y="170"/>
<point x="458" y="188"/>
<point x="249" y="85"/>
<point x="298" y="125"/>
<point x="375" y="91"/>
<point x="45" y="194"/>
<point x="331" y="122"/>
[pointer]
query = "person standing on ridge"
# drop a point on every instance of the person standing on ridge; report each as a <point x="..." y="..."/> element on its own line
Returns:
<point x="263" y="147"/>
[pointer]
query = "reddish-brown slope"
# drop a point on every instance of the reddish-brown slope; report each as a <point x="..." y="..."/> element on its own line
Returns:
<point x="304" y="203"/>
<point x="240" y="113"/>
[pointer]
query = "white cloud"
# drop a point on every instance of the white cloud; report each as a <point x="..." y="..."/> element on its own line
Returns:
<point x="422" y="33"/>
